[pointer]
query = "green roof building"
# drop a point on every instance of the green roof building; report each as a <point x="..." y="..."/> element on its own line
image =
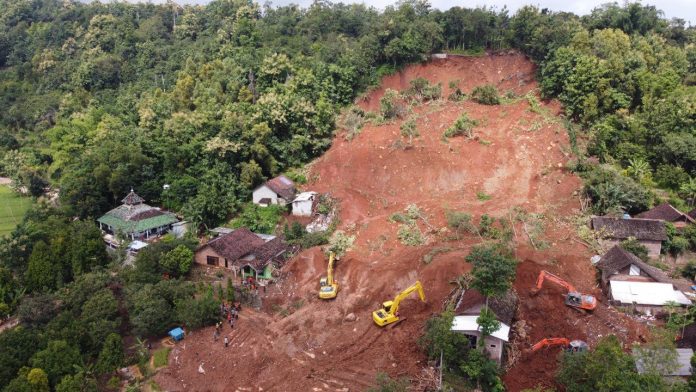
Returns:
<point x="136" y="220"/>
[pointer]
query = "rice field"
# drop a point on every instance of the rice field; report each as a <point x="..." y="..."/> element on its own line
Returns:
<point x="12" y="209"/>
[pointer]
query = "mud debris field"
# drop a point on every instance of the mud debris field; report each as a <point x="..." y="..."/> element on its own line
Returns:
<point x="517" y="158"/>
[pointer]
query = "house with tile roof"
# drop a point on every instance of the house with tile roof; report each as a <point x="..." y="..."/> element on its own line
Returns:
<point x="136" y="220"/>
<point x="665" y="212"/>
<point x="279" y="190"/>
<point x="620" y="264"/>
<point x="244" y="252"/>
<point x="649" y="232"/>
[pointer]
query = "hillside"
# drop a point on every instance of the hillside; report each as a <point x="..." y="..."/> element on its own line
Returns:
<point x="315" y="348"/>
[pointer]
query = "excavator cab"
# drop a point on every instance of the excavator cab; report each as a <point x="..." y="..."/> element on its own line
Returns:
<point x="390" y="309"/>
<point x="328" y="286"/>
<point x="577" y="300"/>
<point x="576" y="346"/>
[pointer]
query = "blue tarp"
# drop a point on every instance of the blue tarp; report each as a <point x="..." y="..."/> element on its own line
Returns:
<point x="177" y="334"/>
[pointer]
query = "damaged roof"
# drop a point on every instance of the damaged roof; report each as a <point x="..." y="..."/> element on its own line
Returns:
<point x="236" y="244"/>
<point x="641" y="229"/>
<point x="503" y="306"/>
<point x="264" y="254"/>
<point x="666" y="213"/>
<point x="617" y="258"/>
<point x="283" y="186"/>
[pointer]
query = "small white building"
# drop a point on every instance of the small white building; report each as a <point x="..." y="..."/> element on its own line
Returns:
<point x="304" y="204"/>
<point x="493" y="343"/>
<point x="469" y="309"/>
<point x="279" y="190"/>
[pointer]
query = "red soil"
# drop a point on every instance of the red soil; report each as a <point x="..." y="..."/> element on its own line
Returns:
<point x="519" y="162"/>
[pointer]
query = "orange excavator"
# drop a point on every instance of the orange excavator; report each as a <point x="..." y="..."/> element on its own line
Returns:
<point x="573" y="298"/>
<point x="573" y="346"/>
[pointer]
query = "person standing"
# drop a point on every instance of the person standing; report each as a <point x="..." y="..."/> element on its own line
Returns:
<point x="227" y="341"/>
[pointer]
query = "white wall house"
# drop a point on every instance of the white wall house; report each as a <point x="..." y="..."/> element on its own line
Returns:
<point x="303" y="203"/>
<point x="494" y="343"/>
<point x="279" y="190"/>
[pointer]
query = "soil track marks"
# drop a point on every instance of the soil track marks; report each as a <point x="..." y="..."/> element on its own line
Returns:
<point x="518" y="160"/>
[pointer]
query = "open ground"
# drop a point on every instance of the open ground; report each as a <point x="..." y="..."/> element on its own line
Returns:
<point x="12" y="209"/>
<point x="518" y="157"/>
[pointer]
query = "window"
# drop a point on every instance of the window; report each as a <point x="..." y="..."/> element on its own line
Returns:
<point x="634" y="270"/>
<point x="211" y="260"/>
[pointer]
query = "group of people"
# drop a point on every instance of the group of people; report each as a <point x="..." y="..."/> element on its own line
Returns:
<point x="229" y="312"/>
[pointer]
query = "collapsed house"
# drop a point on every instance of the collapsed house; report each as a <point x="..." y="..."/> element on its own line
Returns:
<point x="469" y="309"/>
<point x="245" y="253"/>
<point x="649" y="232"/>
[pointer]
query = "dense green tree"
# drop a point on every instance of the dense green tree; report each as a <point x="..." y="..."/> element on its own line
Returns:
<point x="111" y="357"/>
<point x="17" y="345"/>
<point x="57" y="360"/>
<point x="41" y="272"/>
<point x="493" y="270"/>
<point x="178" y="261"/>
<point x="79" y="382"/>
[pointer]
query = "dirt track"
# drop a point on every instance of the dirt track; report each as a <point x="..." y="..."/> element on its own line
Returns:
<point x="519" y="161"/>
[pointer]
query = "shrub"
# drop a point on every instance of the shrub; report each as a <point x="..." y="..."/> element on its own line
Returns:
<point x="611" y="192"/>
<point x="352" y="121"/>
<point x="463" y="126"/>
<point x="390" y="105"/>
<point x="486" y="95"/>
<point x="634" y="246"/>
<point x="388" y="384"/>
<point x="258" y="219"/>
<point x="409" y="130"/>
<point x="340" y="242"/>
<point x="409" y="234"/>
<point x="198" y="312"/>
<point x="421" y="90"/>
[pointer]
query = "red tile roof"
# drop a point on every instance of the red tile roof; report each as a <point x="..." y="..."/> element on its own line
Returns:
<point x="236" y="244"/>
<point x="666" y="213"/>
<point x="282" y="186"/>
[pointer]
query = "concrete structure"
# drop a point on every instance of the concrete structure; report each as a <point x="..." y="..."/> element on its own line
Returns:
<point x="468" y="311"/>
<point x="646" y="297"/>
<point x="303" y="205"/>
<point x="243" y="252"/>
<point x="136" y="220"/>
<point x="494" y="344"/>
<point x="279" y="190"/>
<point x="649" y="232"/>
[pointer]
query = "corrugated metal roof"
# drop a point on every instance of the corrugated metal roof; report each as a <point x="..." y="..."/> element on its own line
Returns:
<point x="469" y="324"/>
<point x="646" y="293"/>
<point x="305" y="196"/>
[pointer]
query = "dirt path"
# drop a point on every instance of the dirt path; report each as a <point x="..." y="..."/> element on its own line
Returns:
<point x="518" y="160"/>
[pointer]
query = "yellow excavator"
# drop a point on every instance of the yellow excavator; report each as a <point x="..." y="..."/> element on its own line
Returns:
<point x="328" y="287"/>
<point x="389" y="313"/>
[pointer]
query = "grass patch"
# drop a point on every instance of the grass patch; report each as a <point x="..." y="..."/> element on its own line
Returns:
<point x="12" y="209"/>
<point x="428" y="257"/>
<point x="482" y="196"/>
<point x="161" y="357"/>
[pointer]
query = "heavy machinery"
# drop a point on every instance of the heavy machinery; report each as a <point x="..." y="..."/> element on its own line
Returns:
<point x="573" y="298"/>
<point x="389" y="312"/>
<point x="328" y="287"/>
<point x="573" y="346"/>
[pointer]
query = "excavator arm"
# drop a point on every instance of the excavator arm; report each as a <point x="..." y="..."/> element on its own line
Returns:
<point x="330" y="269"/>
<point x="400" y="297"/>
<point x="545" y="275"/>
<point x="387" y="315"/>
<point x="548" y="342"/>
<point x="568" y="345"/>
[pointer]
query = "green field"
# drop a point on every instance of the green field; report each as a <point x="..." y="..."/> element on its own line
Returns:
<point x="12" y="209"/>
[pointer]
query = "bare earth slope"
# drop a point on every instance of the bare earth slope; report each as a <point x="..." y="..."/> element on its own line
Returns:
<point x="519" y="160"/>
